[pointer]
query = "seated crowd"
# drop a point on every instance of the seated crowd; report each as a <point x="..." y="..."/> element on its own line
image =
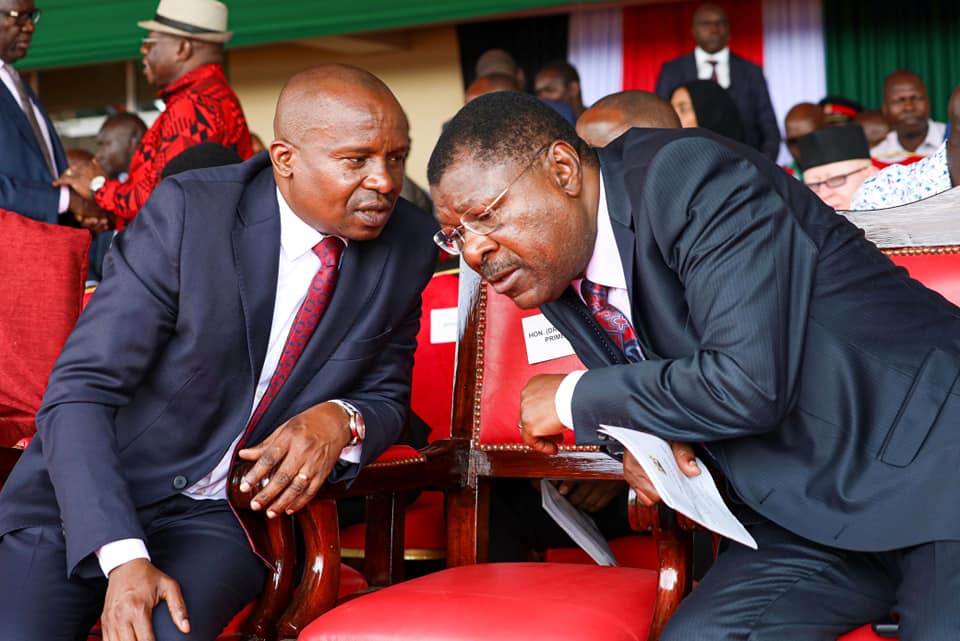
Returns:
<point x="262" y="310"/>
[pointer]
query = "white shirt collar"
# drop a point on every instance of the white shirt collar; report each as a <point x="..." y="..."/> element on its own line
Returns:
<point x="605" y="267"/>
<point x="296" y="237"/>
<point x="722" y="57"/>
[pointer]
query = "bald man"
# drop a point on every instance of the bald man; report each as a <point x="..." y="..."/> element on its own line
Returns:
<point x="906" y="107"/>
<point x="612" y="115"/>
<point x="489" y="83"/>
<point x="266" y="310"/>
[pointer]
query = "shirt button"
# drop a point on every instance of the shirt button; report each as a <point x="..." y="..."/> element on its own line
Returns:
<point x="179" y="482"/>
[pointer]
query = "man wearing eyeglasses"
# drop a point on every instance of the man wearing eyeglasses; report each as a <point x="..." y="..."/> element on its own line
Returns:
<point x="183" y="58"/>
<point x="717" y="301"/>
<point x="31" y="156"/>
<point x="835" y="162"/>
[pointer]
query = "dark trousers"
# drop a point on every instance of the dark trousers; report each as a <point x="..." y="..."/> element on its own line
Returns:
<point x="791" y="589"/>
<point x="198" y="543"/>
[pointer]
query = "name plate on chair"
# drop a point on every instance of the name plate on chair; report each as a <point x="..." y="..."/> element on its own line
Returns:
<point x="544" y="342"/>
<point x="443" y="325"/>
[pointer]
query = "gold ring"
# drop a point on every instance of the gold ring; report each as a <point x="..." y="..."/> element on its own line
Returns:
<point x="303" y="476"/>
<point x="520" y="425"/>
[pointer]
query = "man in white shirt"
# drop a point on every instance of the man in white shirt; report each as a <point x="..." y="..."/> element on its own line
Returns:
<point x="267" y="311"/>
<point x="907" y="108"/>
<point x="712" y="60"/>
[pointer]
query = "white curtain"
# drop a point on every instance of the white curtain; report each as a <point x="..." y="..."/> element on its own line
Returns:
<point x="793" y="56"/>
<point x="596" y="50"/>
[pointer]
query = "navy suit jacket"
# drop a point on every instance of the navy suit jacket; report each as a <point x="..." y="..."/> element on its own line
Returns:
<point x="820" y="376"/>
<point x="748" y="88"/>
<point x="24" y="175"/>
<point x="159" y="375"/>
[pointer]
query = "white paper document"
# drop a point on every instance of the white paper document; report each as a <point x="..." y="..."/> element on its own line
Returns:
<point x="696" y="497"/>
<point x="581" y="528"/>
<point x="543" y="341"/>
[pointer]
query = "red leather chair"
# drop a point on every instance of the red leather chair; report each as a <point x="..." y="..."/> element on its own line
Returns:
<point x="588" y="602"/>
<point x="431" y="398"/>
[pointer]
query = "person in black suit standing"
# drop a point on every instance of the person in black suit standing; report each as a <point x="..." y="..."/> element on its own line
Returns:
<point x="716" y="301"/>
<point x="712" y="60"/>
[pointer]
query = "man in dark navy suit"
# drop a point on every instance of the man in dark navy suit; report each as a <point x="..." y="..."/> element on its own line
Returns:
<point x="712" y="59"/>
<point x="32" y="156"/>
<point x="266" y="310"/>
<point x="717" y="301"/>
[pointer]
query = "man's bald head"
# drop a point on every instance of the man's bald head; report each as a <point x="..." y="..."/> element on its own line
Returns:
<point x="489" y="84"/>
<point x="495" y="61"/>
<point x="612" y="115"/>
<point x="307" y="97"/>
<point x="341" y="143"/>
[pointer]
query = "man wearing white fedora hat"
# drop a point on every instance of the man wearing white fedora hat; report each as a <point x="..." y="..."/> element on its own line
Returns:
<point x="183" y="57"/>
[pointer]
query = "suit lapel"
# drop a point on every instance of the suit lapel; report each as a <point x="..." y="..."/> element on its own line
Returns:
<point x="256" y="243"/>
<point x="20" y="120"/>
<point x="690" y="68"/>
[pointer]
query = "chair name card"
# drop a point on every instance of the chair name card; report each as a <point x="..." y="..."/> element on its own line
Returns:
<point x="443" y="325"/>
<point x="543" y="341"/>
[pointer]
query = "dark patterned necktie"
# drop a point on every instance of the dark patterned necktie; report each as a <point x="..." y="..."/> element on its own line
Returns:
<point x="612" y="320"/>
<point x="308" y="316"/>
<point x="27" y="107"/>
<point x="713" y="71"/>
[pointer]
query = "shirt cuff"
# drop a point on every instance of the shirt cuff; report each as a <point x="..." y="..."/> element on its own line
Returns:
<point x="117" y="553"/>
<point x="563" y="401"/>
<point x="64" y="203"/>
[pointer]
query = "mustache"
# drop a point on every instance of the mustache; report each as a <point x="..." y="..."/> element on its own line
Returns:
<point x="380" y="201"/>
<point x="492" y="269"/>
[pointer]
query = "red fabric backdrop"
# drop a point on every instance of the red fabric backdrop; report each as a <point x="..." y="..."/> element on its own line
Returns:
<point x="655" y="33"/>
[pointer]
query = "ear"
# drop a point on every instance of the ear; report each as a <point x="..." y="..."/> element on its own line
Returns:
<point x="282" y="156"/>
<point x="566" y="167"/>
<point x="184" y="50"/>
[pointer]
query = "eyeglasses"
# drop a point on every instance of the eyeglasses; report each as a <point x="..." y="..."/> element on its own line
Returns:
<point x="834" y="182"/>
<point x="21" y="18"/>
<point x="450" y="239"/>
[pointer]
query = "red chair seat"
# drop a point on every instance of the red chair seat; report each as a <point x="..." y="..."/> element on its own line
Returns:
<point x="424" y="536"/>
<point x="632" y="551"/>
<point x="482" y="603"/>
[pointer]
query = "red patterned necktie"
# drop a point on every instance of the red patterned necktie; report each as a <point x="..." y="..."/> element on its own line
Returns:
<point x="612" y="320"/>
<point x="713" y="72"/>
<point x="308" y="316"/>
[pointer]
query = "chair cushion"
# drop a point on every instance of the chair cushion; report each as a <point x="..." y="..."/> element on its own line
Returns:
<point x="631" y="551"/>
<point x="484" y="603"/>
<point x="42" y="268"/>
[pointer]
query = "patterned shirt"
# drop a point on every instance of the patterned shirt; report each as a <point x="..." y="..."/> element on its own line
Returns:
<point x="200" y="107"/>
<point x="900" y="184"/>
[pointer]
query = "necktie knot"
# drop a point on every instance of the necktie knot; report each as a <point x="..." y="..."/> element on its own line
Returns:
<point x="595" y="295"/>
<point x="328" y="251"/>
<point x="614" y="322"/>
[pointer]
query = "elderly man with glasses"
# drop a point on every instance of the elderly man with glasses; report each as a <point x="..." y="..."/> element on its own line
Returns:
<point x="835" y="162"/>
<point x="32" y="156"/>
<point x="183" y="57"/>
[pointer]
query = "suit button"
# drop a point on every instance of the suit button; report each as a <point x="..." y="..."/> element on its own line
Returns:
<point x="179" y="482"/>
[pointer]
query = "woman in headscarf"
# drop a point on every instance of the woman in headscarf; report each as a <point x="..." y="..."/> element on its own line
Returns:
<point x="704" y="103"/>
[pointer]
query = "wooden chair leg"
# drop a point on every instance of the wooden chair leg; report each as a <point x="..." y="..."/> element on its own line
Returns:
<point x="383" y="549"/>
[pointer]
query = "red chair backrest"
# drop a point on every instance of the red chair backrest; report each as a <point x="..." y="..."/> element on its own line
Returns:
<point x="431" y="392"/>
<point x="42" y="269"/>
<point x="936" y="267"/>
<point x="504" y="369"/>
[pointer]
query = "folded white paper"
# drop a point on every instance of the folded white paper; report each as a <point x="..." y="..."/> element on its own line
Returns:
<point x="696" y="497"/>
<point x="579" y="525"/>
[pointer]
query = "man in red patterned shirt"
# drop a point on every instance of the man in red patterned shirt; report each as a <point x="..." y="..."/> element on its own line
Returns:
<point x="183" y="56"/>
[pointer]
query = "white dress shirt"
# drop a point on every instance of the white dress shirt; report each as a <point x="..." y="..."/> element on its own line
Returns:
<point x="64" y="202"/>
<point x="606" y="269"/>
<point x="297" y="267"/>
<point x="890" y="150"/>
<point x="705" y="69"/>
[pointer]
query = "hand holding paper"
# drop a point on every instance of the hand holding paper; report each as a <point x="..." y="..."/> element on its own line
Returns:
<point x="696" y="497"/>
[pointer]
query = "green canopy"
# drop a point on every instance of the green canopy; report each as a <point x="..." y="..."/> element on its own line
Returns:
<point x="75" y="32"/>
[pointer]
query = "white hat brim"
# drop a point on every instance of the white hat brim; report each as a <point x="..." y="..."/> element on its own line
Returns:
<point x="216" y="36"/>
